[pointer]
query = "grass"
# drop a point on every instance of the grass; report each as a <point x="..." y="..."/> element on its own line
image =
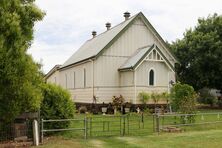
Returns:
<point x="193" y="139"/>
<point x="106" y="131"/>
<point x="101" y="126"/>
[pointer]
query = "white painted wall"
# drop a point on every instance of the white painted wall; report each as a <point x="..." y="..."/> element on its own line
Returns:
<point x="54" y="78"/>
<point x="108" y="81"/>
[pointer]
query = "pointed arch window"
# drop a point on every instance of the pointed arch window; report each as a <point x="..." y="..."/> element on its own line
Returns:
<point x="151" y="77"/>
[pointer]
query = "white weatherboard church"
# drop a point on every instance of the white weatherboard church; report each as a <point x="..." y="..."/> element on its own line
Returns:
<point x="124" y="60"/>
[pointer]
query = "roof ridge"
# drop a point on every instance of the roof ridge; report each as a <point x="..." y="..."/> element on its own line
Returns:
<point x="114" y="27"/>
<point x="102" y="40"/>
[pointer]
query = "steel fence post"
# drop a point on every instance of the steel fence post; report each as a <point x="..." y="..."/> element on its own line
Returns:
<point x="128" y="122"/>
<point x="42" y="130"/>
<point x="158" y="123"/>
<point x="153" y="123"/>
<point x="90" y="126"/>
<point x="85" y="128"/>
<point x="120" y="121"/>
<point x="124" y="125"/>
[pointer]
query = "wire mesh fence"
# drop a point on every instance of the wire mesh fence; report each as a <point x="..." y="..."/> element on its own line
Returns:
<point x="101" y="125"/>
<point x="18" y="130"/>
<point x="184" y="122"/>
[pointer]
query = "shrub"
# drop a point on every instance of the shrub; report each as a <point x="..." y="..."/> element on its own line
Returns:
<point x="165" y="96"/>
<point x="184" y="100"/>
<point x="206" y="97"/>
<point x="219" y="103"/>
<point x="144" y="97"/>
<point x="155" y="97"/>
<point x="117" y="102"/>
<point x="56" y="104"/>
<point x="82" y="110"/>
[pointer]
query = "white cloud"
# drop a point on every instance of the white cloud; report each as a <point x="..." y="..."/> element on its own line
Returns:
<point x="68" y="23"/>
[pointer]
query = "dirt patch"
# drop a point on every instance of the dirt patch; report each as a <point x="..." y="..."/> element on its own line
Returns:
<point x="13" y="144"/>
<point x="59" y="142"/>
<point x="97" y="143"/>
<point x="129" y="140"/>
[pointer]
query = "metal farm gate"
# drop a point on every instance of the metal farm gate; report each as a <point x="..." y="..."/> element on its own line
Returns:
<point x="107" y="125"/>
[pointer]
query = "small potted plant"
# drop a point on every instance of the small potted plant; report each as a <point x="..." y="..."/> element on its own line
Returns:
<point x="104" y="109"/>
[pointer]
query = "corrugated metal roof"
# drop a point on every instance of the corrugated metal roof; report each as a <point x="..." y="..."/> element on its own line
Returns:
<point x="135" y="58"/>
<point x="93" y="46"/>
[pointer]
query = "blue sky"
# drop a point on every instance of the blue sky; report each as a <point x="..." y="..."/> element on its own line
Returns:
<point x="69" y="23"/>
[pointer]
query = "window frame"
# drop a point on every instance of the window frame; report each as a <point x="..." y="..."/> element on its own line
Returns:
<point x="154" y="77"/>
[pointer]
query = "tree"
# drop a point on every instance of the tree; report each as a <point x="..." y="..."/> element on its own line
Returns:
<point x="206" y="97"/>
<point x="155" y="97"/>
<point x="144" y="97"/>
<point x="56" y="104"/>
<point x="20" y="77"/>
<point x="183" y="98"/>
<point x="117" y="102"/>
<point x="199" y="53"/>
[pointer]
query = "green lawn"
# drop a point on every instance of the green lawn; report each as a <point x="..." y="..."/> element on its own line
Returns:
<point x="100" y="126"/>
<point x="106" y="131"/>
<point x="193" y="139"/>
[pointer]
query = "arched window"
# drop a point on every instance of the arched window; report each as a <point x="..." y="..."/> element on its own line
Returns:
<point x="151" y="77"/>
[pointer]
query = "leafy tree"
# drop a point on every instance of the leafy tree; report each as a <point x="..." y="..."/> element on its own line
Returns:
<point x="206" y="97"/>
<point x="144" y="97"/>
<point x="20" y="77"/>
<point x="184" y="99"/>
<point x="156" y="98"/>
<point x="56" y="104"/>
<point x="117" y="102"/>
<point x="199" y="53"/>
<point x="166" y="96"/>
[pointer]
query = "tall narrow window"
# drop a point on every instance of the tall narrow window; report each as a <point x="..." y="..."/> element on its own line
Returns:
<point x="84" y="74"/>
<point x="74" y="79"/>
<point x="66" y="80"/>
<point x="151" y="77"/>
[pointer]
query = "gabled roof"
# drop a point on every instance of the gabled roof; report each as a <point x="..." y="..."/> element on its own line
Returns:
<point x="95" y="46"/>
<point x="135" y="58"/>
<point x="141" y="53"/>
<point x="55" y="68"/>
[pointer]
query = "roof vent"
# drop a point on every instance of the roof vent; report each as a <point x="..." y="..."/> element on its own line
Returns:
<point x="94" y="34"/>
<point x="126" y="15"/>
<point x="108" y="25"/>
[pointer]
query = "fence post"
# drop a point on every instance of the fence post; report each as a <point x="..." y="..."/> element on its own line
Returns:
<point x="35" y="132"/>
<point x="124" y="124"/>
<point x="154" y="123"/>
<point x="103" y="126"/>
<point x="108" y="125"/>
<point x="158" y="122"/>
<point x="120" y="124"/>
<point x="85" y="128"/>
<point x="90" y="126"/>
<point x="128" y="122"/>
<point x="143" y="120"/>
<point x="42" y="130"/>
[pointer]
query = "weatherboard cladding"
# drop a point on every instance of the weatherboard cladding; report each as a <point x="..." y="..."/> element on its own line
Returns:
<point x="93" y="46"/>
<point x="139" y="55"/>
